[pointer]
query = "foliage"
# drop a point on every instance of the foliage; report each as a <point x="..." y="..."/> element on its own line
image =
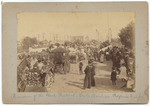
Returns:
<point x="127" y="35"/>
<point x="29" y="42"/>
<point x="104" y="44"/>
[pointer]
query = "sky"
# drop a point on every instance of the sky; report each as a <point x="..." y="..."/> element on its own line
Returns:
<point x="92" y="24"/>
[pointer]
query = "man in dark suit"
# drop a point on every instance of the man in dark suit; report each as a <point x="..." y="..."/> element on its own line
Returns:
<point x="89" y="75"/>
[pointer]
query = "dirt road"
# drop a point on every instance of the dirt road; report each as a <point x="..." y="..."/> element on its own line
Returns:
<point x="73" y="81"/>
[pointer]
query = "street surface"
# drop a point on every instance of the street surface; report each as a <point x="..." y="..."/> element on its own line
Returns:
<point x="73" y="81"/>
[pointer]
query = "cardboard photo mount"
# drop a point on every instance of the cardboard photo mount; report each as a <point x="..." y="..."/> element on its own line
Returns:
<point x="9" y="53"/>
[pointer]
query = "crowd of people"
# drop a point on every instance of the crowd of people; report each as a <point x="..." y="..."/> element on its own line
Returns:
<point x="38" y="69"/>
<point x="122" y="67"/>
<point x="35" y="70"/>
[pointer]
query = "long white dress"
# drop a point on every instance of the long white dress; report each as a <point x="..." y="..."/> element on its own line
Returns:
<point x="123" y="73"/>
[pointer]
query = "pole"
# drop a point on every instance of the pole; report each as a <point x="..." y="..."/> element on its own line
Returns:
<point x="98" y="35"/>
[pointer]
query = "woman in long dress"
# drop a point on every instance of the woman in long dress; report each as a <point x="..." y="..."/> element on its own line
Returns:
<point x="123" y="72"/>
<point x="102" y="57"/>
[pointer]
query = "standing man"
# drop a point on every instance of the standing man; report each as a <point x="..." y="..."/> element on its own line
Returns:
<point x="88" y="75"/>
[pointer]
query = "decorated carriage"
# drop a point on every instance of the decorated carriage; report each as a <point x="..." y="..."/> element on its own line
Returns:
<point x="61" y="60"/>
<point x="29" y="75"/>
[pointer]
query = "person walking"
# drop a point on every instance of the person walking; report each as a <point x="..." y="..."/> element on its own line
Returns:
<point x="88" y="73"/>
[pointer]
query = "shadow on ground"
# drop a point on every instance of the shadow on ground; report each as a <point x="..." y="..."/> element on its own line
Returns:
<point x="75" y="84"/>
<point x="106" y="85"/>
<point x="106" y="66"/>
<point x="103" y="85"/>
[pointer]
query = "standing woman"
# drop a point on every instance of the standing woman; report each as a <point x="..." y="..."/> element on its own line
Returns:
<point x="102" y="57"/>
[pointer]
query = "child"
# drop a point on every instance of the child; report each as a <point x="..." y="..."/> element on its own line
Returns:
<point x="113" y="76"/>
<point x="80" y="67"/>
<point x="123" y="72"/>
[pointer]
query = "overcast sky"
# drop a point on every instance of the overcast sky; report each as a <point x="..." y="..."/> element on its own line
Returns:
<point x="72" y="23"/>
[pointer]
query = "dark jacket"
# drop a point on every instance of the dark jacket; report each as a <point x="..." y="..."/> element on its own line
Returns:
<point x="90" y="70"/>
<point x="113" y="75"/>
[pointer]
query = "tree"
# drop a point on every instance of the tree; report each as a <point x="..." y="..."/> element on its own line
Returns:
<point x="104" y="44"/>
<point x="67" y="43"/>
<point x="127" y="35"/>
<point x="29" y="42"/>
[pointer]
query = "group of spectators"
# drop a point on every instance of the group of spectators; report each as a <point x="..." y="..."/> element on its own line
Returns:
<point x="123" y="66"/>
<point x="35" y="70"/>
<point x="39" y="69"/>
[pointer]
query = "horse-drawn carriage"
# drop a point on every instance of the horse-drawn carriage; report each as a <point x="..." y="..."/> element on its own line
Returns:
<point x="61" y="60"/>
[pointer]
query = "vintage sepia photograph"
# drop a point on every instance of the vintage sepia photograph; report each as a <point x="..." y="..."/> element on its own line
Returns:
<point x="76" y="52"/>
